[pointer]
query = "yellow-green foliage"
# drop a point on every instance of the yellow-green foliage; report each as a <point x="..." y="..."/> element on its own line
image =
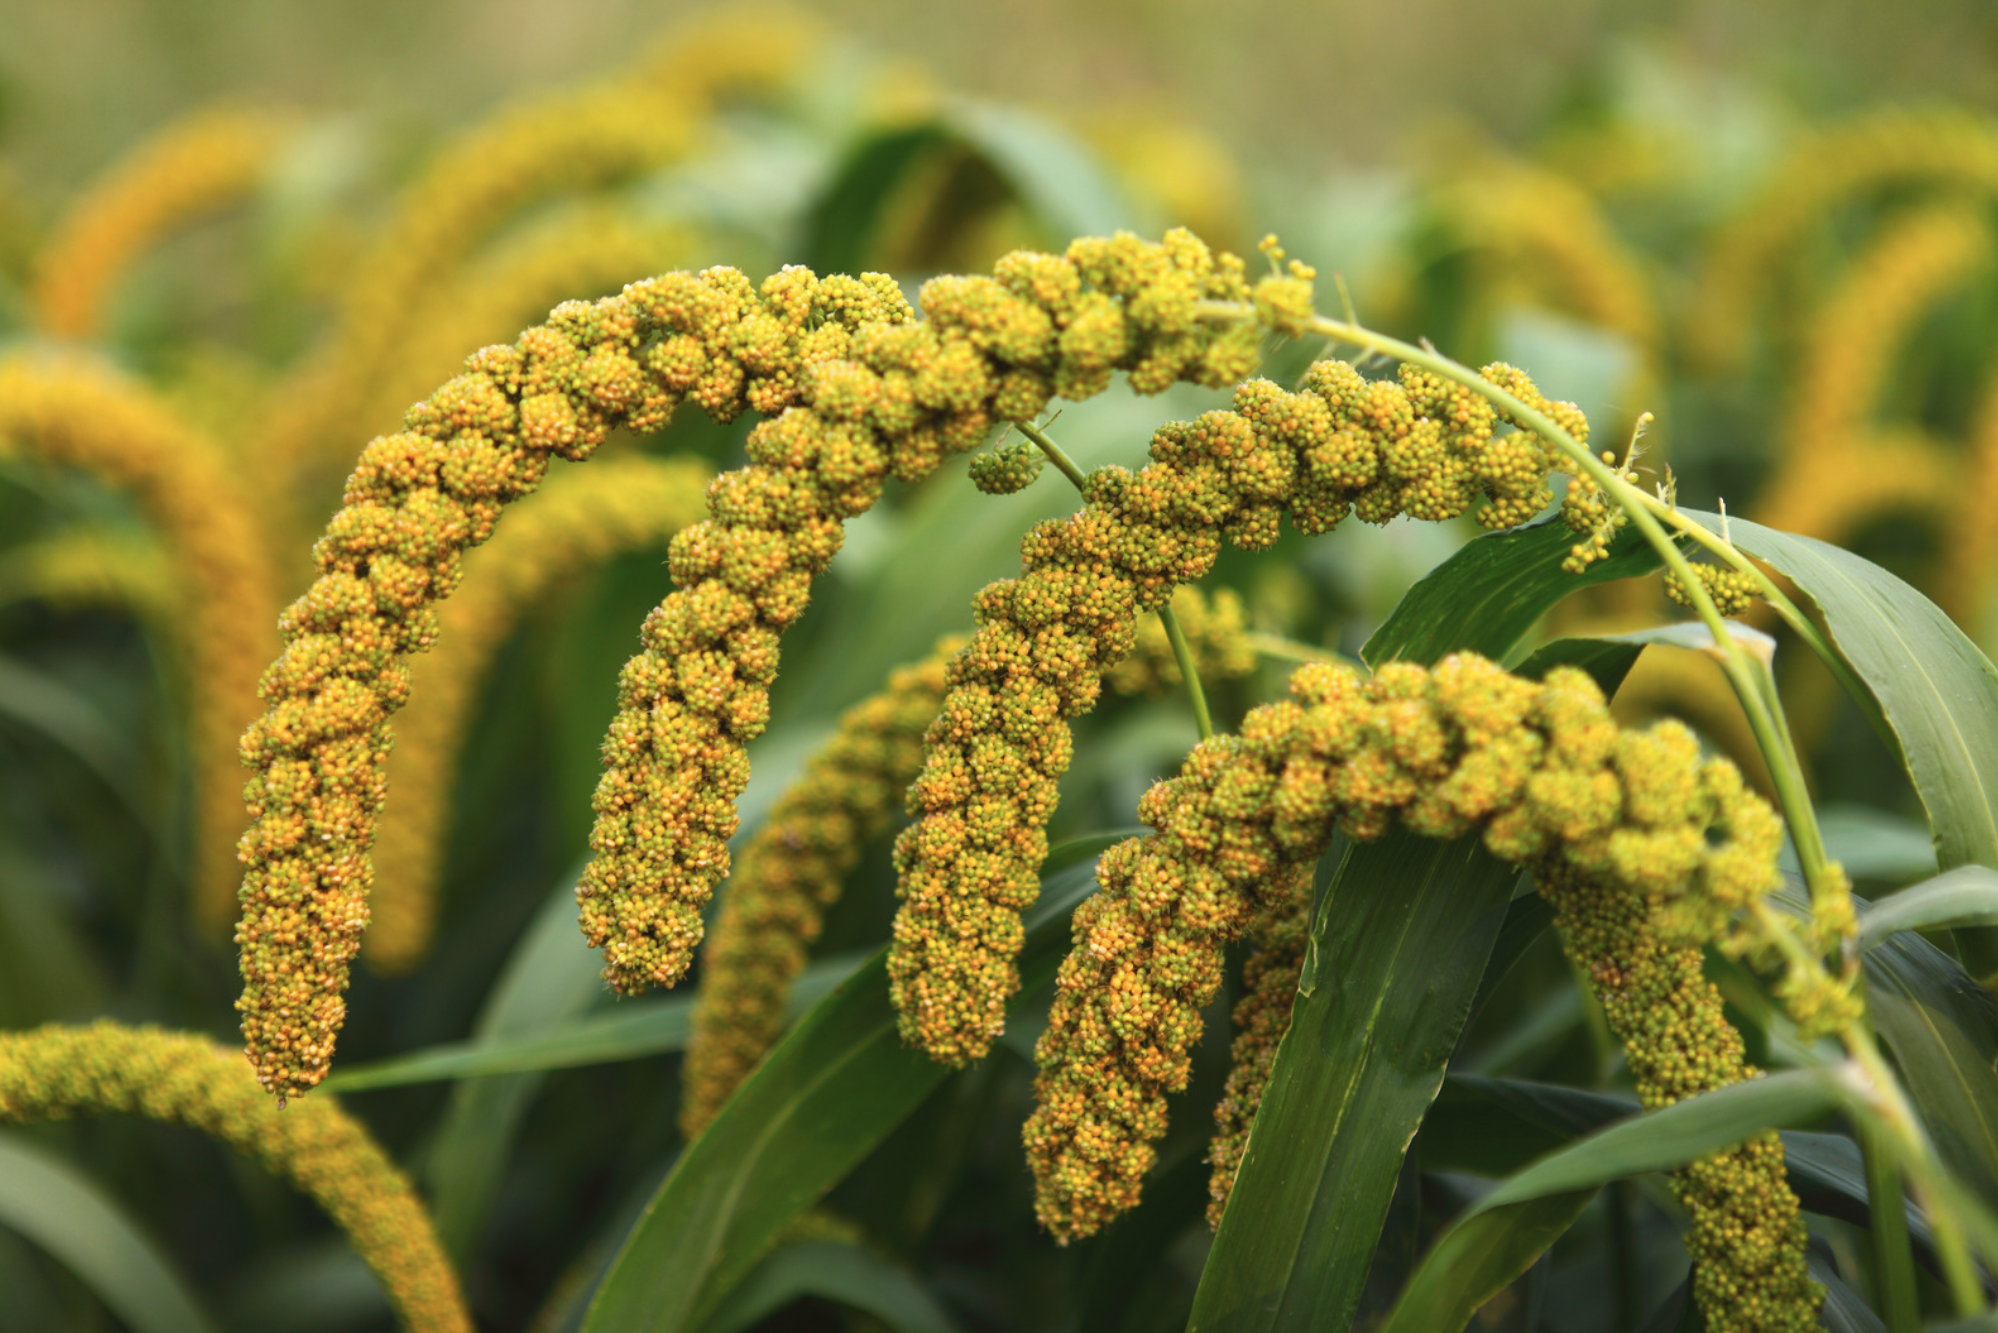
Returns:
<point x="1343" y="445"/>
<point x="70" y="414"/>
<point x="1830" y="451"/>
<point x="1615" y="824"/>
<point x="55" y="1072"/>
<point x="1941" y="150"/>
<point x="795" y="866"/>
<point x="576" y="523"/>
<point x="86" y="568"/>
<point x="1261" y="1017"/>
<point x="1970" y="548"/>
<point x="563" y="143"/>
<point x="192" y="166"/>
<point x="1545" y="237"/>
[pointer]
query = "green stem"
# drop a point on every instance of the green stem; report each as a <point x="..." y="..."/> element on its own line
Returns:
<point x="1055" y="454"/>
<point x="1183" y="654"/>
<point x="1195" y="695"/>
<point x="1786" y="610"/>
<point x="1893" y="1260"/>
<point x="1809" y="839"/>
<point x="1290" y="650"/>
<point x="1889" y="1108"/>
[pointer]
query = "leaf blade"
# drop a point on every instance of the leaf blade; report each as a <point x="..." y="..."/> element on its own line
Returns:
<point x="1401" y="939"/>
<point x="1965" y="896"/>
<point x="1487" y="596"/>
<point x="1497" y="1238"/>
<point x="630" y="1032"/>
<point x="847" y="1274"/>
<point x="765" y="1159"/>
<point x="64" y="1212"/>
<point x="1933" y="690"/>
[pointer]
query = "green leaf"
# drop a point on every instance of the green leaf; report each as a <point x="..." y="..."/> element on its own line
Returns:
<point x="1935" y="692"/>
<point x="1942" y="1031"/>
<point x="822" y="1099"/>
<point x="1496" y="1126"/>
<point x="841" y="228"/>
<point x="1526" y="920"/>
<point x="1829" y="1177"/>
<point x="1696" y="637"/>
<point x="1965" y="896"/>
<point x="1059" y="181"/>
<point x="1401" y="939"/>
<point x="1607" y="660"/>
<point x="39" y="702"/>
<point x="1487" y="596"/>
<point x="63" y="1211"/>
<point x="1399" y="942"/>
<point x="1052" y="172"/>
<point x="316" y="1288"/>
<point x="847" y="1274"/>
<point x="48" y="969"/>
<point x="551" y="977"/>
<point x="1496" y="1239"/>
<point x="1843" y="1311"/>
<point x="1677" y="1313"/>
<point x="1475" y="1259"/>
<point x="629" y="1032"/>
<point x="1873" y="844"/>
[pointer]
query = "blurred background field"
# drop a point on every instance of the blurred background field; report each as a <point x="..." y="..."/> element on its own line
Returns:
<point x="249" y="235"/>
<point x="1293" y="85"/>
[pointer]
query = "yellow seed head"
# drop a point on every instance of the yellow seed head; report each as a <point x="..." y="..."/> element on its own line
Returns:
<point x="55" y="1072"/>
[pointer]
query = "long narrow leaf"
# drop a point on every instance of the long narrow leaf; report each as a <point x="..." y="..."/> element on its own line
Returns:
<point x="1843" y="1311"/>
<point x="1936" y="693"/>
<point x="551" y="977"/>
<point x="1965" y="896"/>
<point x="846" y="1274"/>
<point x="1057" y="179"/>
<point x="629" y="1032"/>
<point x="1401" y="939"/>
<point x="1497" y="1238"/>
<point x="1942" y="1030"/>
<point x="822" y="1099"/>
<point x="1491" y="592"/>
<point x="38" y="702"/>
<point x="1496" y="1126"/>
<point x="61" y="1210"/>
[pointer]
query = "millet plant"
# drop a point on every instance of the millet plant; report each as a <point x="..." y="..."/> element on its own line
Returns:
<point x="1004" y="795"/>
